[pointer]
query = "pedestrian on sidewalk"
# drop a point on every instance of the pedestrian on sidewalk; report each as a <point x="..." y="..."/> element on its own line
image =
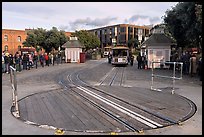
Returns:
<point x="139" y="61"/>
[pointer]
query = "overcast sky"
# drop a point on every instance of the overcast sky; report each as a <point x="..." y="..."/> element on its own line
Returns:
<point x="71" y="16"/>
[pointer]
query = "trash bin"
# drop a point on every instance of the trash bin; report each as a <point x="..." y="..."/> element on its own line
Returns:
<point x="82" y="57"/>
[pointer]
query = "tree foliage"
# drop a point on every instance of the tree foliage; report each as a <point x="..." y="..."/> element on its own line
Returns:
<point x="89" y="40"/>
<point x="184" y="22"/>
<point x="134" y="42"/>
<point x="48" y="40"/>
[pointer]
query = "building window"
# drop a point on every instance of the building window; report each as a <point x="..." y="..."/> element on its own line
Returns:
<point x="6" y="37"/>
<point x="140" y="31"/>
<point x="130" y="30"/>
<point x="19" y="38"/>
<point x="122" y="29"/>
<point x="6" y="47"/>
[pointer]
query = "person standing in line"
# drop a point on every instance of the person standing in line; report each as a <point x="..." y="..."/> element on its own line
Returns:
<point x="24" y="61"/>
<point x="35" y="60"/>
<point x="18" y="62"/>
<point x="52" y="59"/>
<point x="30" y="60"/>
<point x="193" y="65"/>
<point x="131" y="60"/>
<point x="187" y="61"/>
<point x="11" y="60"/>
<point x="58" y="58"/>
<point x="42" y="60"/>
<point x="3" y="62"/>
<point x="139" y="61"/>
<point x="7" y="61"/>
<point x="109" y="57"/>
<point x="46" y="59"/>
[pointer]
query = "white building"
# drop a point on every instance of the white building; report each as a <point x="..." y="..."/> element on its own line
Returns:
<point x="157" y="47"/>
<point x="73" y="48"/>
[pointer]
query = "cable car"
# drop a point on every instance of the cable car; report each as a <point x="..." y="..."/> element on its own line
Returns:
<point x="107" y="49"/>
<point x="120" y="55"/>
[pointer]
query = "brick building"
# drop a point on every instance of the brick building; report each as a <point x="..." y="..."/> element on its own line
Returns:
<point x="12" y="40"/>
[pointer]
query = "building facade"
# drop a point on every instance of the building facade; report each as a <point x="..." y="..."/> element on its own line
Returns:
<point x="121" y="34"/>
<point x="73" y="48"/>
<point x="12" y="40"/>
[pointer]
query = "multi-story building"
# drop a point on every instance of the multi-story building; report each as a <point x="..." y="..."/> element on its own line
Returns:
<point x="12" y="40"/>
<point x="121" y="34"/>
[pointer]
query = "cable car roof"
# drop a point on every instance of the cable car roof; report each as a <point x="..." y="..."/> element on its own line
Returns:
<point x="120" y="47"/>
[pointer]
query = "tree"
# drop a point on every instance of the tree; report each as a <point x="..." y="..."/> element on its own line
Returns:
<point x="89" y="40"/>
<point x="40" y="38"/>
<point x="134" y="42"/>
<point x="31" y="40"/>
<point x="62" y="37"/>
<point x="184" y="23"/>
<point x="35" y="38"/>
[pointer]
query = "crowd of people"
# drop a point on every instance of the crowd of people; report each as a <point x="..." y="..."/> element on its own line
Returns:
<point x="27" y="61"/>
<point x="192" y="63"/>
<point x="142" y="62"/>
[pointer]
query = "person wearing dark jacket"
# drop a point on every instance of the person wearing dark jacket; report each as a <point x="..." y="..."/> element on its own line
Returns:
<point x="24" y="61"/>
<point x="139" y="60"/>
<point x="7" y="63"/>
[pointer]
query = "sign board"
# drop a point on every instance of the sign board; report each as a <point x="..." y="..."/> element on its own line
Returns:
<point x="113" y="40"/>
<point x="73" y="38"/>
<point x="140" y="37"/>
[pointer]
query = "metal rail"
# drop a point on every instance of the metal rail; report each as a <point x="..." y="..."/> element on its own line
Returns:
<point x="162" y="76"/>
<point x="14" y="92"/>
<point x="125" y="123"/>
<point x="102" y="109"/>
<point x="122" y="100"/>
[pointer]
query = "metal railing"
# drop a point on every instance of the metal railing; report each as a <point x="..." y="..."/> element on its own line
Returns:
<point x="168" y="77"/>
<point x="14" y="92"/>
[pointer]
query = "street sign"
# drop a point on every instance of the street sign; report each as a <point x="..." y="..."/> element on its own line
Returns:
<point x="113" y="40"/>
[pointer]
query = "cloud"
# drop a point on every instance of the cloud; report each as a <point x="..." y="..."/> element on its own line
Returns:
<point x="154" y="20"/>
<point x="80" y="15"/>
<point x="28" y="8"/>
<point x="90" y="23"/>
<point x="142" y="19"/>
<point x="136" y="17"/>
<point x="63" y="27"/>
